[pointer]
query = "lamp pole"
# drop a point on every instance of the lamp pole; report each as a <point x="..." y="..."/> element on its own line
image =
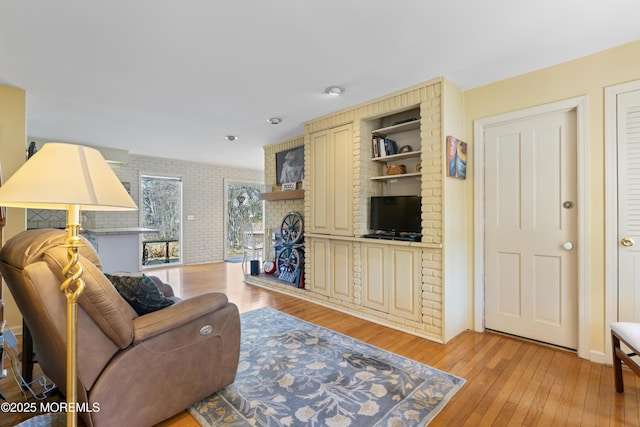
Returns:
<point x="72" y="287"/>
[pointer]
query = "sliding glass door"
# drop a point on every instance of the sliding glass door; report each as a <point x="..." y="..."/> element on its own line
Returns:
<point x="161" y="210"/>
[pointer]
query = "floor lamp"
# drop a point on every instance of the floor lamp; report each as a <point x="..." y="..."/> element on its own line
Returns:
<point x="74" y="178"/>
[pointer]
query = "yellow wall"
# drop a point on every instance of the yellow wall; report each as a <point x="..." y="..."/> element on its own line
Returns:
<point x="585" y="76"/>
<point x="12" y="156"/>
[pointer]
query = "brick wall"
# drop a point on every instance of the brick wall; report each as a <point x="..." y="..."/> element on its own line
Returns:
<point x="275" y="210"/>
<point x="203" y="197"/>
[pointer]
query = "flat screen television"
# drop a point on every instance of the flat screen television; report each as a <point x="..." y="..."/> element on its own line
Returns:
<point x="395" y="214"/>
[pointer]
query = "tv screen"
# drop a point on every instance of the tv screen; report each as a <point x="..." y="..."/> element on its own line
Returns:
<point x="396" y="214"/>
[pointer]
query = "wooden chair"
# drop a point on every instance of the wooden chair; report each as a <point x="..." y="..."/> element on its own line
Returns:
<point x="252" y="243"/>
<point x="626" y="333"/>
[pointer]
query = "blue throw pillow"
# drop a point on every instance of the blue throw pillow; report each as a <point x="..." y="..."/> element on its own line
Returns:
<point x="140" y="292"/>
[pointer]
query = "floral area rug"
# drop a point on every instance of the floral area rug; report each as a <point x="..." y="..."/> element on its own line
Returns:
<point x="294" y="373"/>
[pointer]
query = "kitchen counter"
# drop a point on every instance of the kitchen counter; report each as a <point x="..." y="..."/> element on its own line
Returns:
<point x="122" y="230"/>
<point x="118" y="248"/>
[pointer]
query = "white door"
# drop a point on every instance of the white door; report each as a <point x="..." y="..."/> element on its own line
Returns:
<point x="628" y="132"/>
<point x="530" y="267"/>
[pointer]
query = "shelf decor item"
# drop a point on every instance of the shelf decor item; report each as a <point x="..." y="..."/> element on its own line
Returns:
<point x="290" y="252"/>
<point x="456" y="158"/>
<point x="396" y="169"/>
<point x="288" y="186"/>
<point x="290" y="165"/>
<point x="269" y="267"/>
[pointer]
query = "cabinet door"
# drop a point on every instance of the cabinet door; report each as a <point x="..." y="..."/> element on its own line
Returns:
<point x="341" y="270"/>
<point x="320" y="157"/>
<point x="318" y="249"/>
<point x="404" y="282"/>
<point x="340" y="172"/>
<point x="332" y="186"/>
<point x="374" y="291"/>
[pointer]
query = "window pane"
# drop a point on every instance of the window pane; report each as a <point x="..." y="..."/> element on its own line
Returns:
<point x="161" y="211"/>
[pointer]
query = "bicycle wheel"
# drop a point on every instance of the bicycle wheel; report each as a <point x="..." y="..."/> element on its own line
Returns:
<point x="291" y="227"/>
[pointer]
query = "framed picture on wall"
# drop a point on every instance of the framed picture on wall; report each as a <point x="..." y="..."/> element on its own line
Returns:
<point x="290" y="165"/>
<point x="456" y="158"/>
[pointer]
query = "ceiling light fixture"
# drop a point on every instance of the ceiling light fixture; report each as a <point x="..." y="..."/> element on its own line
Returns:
<point x="334" y="90"/>
<point x="274" y="120"/>
<point x="231" y="137"/>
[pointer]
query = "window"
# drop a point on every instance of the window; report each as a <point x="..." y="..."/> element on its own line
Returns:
<point x="162" y="211"/>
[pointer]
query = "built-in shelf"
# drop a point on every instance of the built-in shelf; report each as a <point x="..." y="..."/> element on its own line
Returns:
<point x="402" y="127"/>
<point x="399" y="176"/>
<point x="282" y="195"/>
<point x="400" y="156"/>
<point x="390" y="159"/>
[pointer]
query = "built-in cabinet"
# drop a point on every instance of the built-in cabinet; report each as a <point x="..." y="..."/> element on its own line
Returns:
<point x="332" y="272"/>
<point x="402" y="284"/>
<point x="331" y="177"/>
<point x="391" y="279"/>
<point x="318" y="279"/>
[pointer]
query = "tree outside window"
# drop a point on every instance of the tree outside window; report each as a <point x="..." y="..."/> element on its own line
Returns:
<point x="243" y="207"/>
<point x="162" y="211"/>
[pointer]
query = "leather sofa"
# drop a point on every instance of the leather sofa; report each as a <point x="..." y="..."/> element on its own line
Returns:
<point x="138" y="370"/>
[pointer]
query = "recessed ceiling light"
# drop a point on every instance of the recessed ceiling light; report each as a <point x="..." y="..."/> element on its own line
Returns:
<point x="334" y="90"/>
<point x="231" y="137"/>
<point x="274" y="120"/>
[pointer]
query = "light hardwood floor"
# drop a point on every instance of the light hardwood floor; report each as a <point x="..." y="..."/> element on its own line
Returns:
<point x="510" y="382"/>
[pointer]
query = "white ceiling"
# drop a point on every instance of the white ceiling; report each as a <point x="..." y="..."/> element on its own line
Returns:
<point x="171" y="78"/>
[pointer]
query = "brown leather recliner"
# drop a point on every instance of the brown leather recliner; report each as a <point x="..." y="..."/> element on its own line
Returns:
<point x="138" y="370"/>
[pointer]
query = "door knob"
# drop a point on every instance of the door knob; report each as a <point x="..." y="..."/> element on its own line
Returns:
<point x="626" y="241"/>
<point x="568" y="246"/>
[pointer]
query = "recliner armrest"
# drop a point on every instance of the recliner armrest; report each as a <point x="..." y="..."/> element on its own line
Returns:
<point x="180" y="313"/>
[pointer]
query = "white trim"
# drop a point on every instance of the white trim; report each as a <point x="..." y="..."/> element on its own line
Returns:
<point x="478" y="226"/>
<point x="598" y="357"/>
<point x="611" y="207"/>
<point x="579" y="104"/>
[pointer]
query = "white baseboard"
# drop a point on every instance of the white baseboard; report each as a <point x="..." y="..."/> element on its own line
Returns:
<point x="599" y="357"/>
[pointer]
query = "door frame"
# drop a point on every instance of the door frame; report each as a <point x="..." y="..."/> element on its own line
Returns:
<point x="579" y="104"/>
<point x="611" y="206"/>
<point x="226" y="182"/>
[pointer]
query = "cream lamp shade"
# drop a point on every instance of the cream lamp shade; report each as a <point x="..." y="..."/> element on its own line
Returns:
<point x="60" y="175"/>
